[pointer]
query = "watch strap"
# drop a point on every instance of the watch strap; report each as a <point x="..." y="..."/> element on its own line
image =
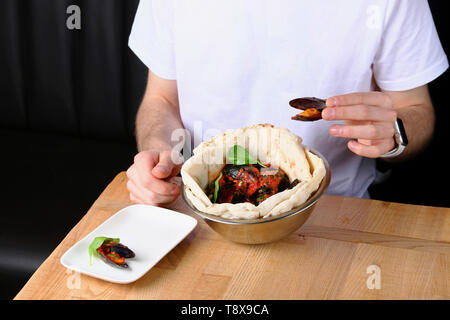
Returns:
<point x="400" y="138"/>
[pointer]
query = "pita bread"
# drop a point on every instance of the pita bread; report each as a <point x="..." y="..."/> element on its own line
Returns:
<point x="267" y="143"/>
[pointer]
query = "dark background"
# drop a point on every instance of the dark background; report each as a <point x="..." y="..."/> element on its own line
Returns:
<point x="68" y="100"/>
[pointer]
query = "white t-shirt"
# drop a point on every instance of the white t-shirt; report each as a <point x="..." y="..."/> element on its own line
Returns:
<point x="239" y="63"/>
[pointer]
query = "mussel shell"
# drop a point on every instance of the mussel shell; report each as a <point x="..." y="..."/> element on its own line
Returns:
<point x="233" y="171"/>
<point x="294" y="183"/>
<point x="121" y="250"/>
<point x="284" y="183"/>
<point x="238" y="198"/>
<point x="105" y="259"/>
<point x="307" y="103"/>
<point x="116" y="248"/>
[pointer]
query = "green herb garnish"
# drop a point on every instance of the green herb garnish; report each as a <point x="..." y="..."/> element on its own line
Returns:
<point x="240" y="156"/>
<point x="97" y="243"/>
<point x="216" y="187"/>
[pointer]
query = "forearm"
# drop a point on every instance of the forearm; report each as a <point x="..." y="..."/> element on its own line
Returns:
<point x="156" y="120"/>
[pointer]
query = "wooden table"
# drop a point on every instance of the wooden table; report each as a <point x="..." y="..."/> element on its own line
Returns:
<point x="341" y="252"/>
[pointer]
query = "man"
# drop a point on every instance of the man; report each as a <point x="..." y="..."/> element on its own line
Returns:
<point x="219" y="65"/>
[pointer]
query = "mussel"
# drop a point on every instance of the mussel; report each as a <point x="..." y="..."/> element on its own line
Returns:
<point x="312" y="108"/>
<point x="238" y="172"/>
<point x="115" y="253"/>
<point x="250" y="183"/>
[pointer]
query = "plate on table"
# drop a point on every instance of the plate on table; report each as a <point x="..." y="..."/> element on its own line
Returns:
<point x="151" y="232"/>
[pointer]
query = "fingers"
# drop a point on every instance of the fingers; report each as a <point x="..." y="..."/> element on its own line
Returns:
<point x="151" y="178"/>
<point x="359" y="112"/>
<point x="374" y="131"/>
<point x="369" y="119"/>
<point x="146" y="196"/>
<point x="135" y="200"/>
<point x="371" y="150"/>
<point x="165" y="167"/>
<point x="374" y="98"/>
<point x="159" y="186"/>
<point x="143" y="164"/>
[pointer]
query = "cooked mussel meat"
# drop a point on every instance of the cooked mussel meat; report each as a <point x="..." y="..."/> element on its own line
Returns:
<point x="115" y="253"/>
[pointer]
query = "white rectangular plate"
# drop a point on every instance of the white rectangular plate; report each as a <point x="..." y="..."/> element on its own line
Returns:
<point x="151" y="232"/>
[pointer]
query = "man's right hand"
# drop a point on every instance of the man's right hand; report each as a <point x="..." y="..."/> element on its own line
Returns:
<point x="152" y="178"/>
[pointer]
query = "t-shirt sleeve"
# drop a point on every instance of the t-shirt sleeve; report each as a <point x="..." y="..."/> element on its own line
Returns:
<point x="152" y="39"/>
<point x="410" y="53"/>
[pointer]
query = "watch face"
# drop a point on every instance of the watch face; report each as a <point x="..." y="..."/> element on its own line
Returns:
<point x="401" y="128"/>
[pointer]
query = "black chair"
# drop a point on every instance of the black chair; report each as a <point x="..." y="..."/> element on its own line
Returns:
<point x="68" y="104"/>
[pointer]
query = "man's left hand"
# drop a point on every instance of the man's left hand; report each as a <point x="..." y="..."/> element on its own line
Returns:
<point x="369" y="119"/>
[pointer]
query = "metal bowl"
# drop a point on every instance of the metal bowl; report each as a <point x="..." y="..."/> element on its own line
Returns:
<point x="256" y="231"/>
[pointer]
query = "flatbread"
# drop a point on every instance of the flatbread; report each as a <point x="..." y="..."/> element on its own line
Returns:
<point x="269" y="144"/>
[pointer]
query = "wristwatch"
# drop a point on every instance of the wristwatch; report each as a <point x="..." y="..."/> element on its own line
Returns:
<point x="400" y="139"/>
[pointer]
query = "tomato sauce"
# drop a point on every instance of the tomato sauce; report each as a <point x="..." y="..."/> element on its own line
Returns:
<point x="249" y="183"/>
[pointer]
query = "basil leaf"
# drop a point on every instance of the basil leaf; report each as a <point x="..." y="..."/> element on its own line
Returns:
<point x="261" y="164"/>
<point x="216" y="187"/>
<point x="97" y="243"/>
<point x="240" y="156"/>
